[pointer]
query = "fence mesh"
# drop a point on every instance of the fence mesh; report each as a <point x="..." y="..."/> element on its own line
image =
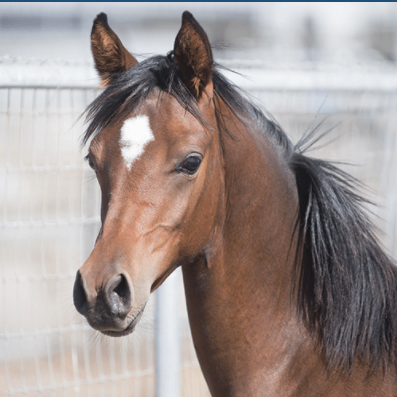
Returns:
<point x="49" y="217"/>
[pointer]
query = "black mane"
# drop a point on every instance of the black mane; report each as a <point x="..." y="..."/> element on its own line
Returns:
<point x="346" y="284"/>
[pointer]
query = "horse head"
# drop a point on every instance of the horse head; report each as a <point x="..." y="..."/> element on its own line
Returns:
<point x="159" y="167"/>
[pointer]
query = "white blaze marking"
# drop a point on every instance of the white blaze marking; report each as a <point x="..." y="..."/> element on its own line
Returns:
<point x="135" y="135"/>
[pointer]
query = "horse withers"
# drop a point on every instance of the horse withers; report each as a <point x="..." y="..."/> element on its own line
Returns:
<point x="287" y="289"/>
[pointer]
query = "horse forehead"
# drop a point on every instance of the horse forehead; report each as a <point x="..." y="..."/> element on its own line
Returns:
<point x="168" y="117"/>
<point x="162" y="119"/>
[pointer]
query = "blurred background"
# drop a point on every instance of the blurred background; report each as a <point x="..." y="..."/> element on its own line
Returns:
<point x="339" y="32"/>
<point x="333" y="64"/>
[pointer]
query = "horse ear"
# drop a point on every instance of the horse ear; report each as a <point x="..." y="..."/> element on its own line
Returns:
<point x="110" y="56"/>
<point x="193" y="55"/>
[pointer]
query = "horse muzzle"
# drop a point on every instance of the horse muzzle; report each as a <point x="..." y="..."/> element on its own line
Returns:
<point x="108" y="309"/>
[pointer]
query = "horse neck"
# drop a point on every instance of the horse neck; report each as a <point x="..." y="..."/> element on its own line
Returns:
<point x="239" y="290"/>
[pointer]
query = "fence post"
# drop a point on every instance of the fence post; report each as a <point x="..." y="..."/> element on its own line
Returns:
<point x="168" y="342"/>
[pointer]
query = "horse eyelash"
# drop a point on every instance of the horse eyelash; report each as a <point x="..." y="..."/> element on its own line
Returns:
<point x="90" y="162"/>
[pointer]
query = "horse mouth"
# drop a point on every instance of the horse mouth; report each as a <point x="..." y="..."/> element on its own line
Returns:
<point x="129" y="329"/>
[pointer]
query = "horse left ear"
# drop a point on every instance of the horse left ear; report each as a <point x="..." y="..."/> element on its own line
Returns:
<point x="109" y="54"/>
<point x="193" y="55"/>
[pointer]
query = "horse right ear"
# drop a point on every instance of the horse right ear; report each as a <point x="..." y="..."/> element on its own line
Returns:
<point x="110" y="56"/>
<point x="193" y="55"/>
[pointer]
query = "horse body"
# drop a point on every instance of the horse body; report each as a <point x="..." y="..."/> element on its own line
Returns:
<point x="247" y="334"/>
<point x="216" y="187"/>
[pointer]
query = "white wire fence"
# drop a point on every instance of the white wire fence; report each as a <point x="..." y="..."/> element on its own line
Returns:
<point x="50" y="206"/>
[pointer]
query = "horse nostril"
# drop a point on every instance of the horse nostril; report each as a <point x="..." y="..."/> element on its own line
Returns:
<point x="79" y="295"/>
<point x="118" y="295"/>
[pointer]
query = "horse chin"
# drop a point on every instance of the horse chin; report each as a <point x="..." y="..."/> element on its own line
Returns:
<point x="129" y="329"/>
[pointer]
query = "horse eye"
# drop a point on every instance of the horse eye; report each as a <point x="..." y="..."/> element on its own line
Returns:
<point x="190" y="165"/>
<point x="90" y="162"/>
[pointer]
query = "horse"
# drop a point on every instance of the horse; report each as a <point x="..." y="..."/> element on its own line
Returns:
<point x="288" y="291"/>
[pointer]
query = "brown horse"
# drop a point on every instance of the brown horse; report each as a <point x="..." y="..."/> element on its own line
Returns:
<point x="287" y="289"/>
